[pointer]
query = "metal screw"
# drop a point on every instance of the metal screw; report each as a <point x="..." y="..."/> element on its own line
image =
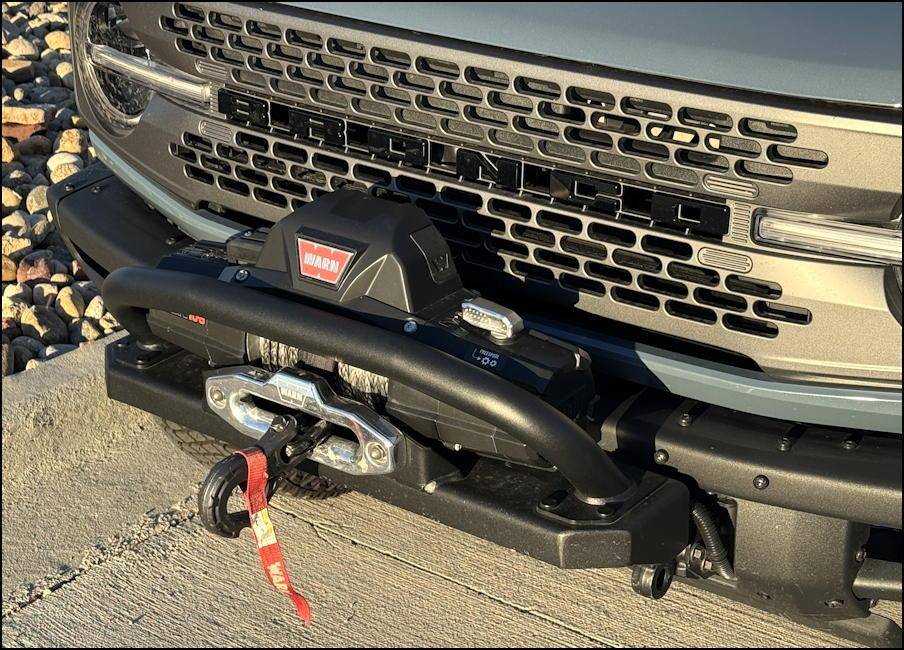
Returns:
<point x="376" y="453"/>
<point x="661" y="457"/>
<point x="761" y="482"/>
<point x="69" y="187"/>
<point x="279" y="423"/>
<point x="456" y="447"/>
<point x="410" y="327"/>
<point x="96" y="189"/>
<point x="860" y="555"/>
<point x="241" y="275"/>
<point x="685" y="420"/>
<point x="849" y="444"/>
<point x="835" y="603"/>
<point x="784" y="444"/>
<point x="218" y="397"/>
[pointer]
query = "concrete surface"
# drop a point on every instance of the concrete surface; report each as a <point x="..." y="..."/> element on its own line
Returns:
<point x="101" y="547"/>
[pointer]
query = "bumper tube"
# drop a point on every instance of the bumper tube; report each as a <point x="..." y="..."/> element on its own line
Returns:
<point x="129" y="292"/>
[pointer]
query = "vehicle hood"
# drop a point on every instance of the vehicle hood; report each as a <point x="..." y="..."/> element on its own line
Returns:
<point x="846" y="52"/>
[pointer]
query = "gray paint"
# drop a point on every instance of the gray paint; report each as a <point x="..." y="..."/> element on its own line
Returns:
<point x="848" y="52"/>
<point x="719" y="384"/>
<point x="198" y="225"/>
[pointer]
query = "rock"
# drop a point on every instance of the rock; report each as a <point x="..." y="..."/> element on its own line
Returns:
<point x="63" y="172"/>
<point x="9" y="269"/>
<point x="21" y="131"/>
<point x="58" y="41"/>
<point x="10" y="30"/>
<point x="11" y="328"/>
<point x="28" y="115"/>
<point x="6" y="360"/>
<point x="22" y="48"/>
<point x="56" y="350"/>
<point x="33" y="345"/>
<point x="44" y="294"/>
<point x="16" y="224"/>
<point x="34" y="363"/>
<point x="18" y="70"/>
<point x="40" y="229"/>
<point x="21" y="357"/>
<point x="109" y="323"/>
<point x="36" y="201"/>
<point x="64" y="72"/>
<point x="35" y="267"/>
<point x="82" y="330"/>
<point x="11" y="200"/>
<point x="14" y="248"/>
<point x="64" y="158"/>
<point x="8" y="155"/>
<point x="43" y="324"/>
<point x="74" y="141"/>
<point x="69" y="304"/>
<point x="61" y="279"/>
<point x="14" y="309"/>
<point x="87" y="289"/>
<point x="95" y="309"/>
<point x="35" y="144"/>
<point x="19" y="292"/>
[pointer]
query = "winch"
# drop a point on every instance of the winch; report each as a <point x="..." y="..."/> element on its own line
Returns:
<point x="385" y="264"/>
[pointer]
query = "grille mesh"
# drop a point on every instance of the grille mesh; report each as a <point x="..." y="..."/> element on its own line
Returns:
<point x="582" y="127"/>
<point x="576" y="252"/>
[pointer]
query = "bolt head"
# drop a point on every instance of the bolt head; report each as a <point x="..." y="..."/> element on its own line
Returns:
<point x="761" y="482"/>
<point x="241" y="275"/>
<point x="606" y="510"/>
<point x="279" y="423"/>
<point x="430" y="487"/>
<point x="661" y="457"/>
<point x="685" y="420"/>
<point x="860" y="556"/>
<point x="410" y="327"/>
<point x="835" y="603"/>
<point x="218" y="397"/>
<point x="784" y="444"/>
<point x="849" y="444"/>
<point x="376" y="453"/>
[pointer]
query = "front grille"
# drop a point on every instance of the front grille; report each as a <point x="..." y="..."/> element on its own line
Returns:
<point x="557" y="184"/>
<point x="682" y="146"/>
<point x="577" y="253"/>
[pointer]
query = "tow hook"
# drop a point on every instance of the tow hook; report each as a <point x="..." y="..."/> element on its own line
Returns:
<point x="284" y="447"/>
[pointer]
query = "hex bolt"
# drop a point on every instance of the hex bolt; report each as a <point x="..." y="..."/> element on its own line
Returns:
<point x="279" y="423"/>
<point x="761" y="482"/>
<point x="410" y="327"/>
<point x="661" y="457"/>
<point x="241" y="275"/>
<point x="784" y="443"/>
<point x="685" y="420"/>
<point x="376" y="453"/>
<point x="849" y="444"/>
<point x="860" y="556"/>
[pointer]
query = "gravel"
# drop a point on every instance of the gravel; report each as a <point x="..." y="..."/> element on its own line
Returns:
<point x="49" y="305"/>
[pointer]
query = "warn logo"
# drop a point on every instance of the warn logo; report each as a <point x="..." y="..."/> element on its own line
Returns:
<point x="322" y="262"/>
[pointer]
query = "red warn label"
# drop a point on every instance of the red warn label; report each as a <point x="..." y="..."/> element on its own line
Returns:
<point x="322" y="262"/>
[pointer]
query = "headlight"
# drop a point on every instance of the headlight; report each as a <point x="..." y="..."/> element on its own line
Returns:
<point x="117" y="72"/>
